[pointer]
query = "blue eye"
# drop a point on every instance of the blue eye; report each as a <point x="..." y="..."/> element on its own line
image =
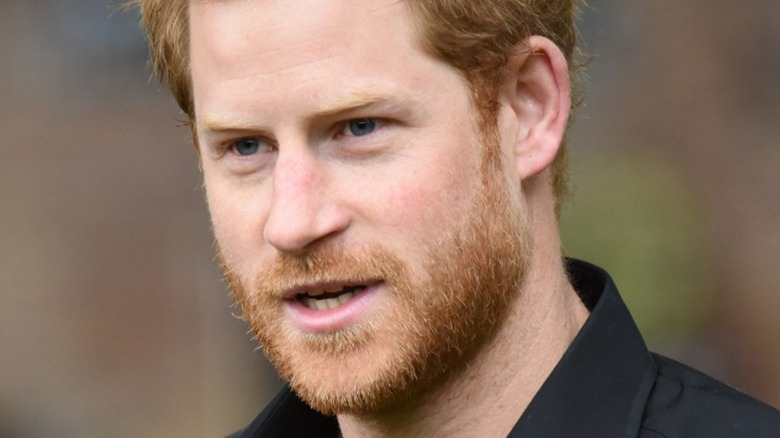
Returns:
<point x="247" y="146"/>
<point x="361" y="127"/>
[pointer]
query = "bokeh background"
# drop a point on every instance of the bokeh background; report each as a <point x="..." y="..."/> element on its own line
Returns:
<point x="114" y="320"/>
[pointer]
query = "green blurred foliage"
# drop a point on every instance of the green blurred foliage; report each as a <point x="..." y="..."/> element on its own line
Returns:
<point x="633" y="215"/>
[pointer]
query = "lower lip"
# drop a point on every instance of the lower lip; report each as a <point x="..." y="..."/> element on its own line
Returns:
<point x="330" y="320"/>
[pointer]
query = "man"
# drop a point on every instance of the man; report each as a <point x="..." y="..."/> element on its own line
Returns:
<point x="384" y="178"/>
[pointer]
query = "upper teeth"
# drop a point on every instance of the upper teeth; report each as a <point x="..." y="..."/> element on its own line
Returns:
<point x="330" y="303"/>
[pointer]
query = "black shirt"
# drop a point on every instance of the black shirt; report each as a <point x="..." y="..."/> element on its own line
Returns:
<point x="607" y="384"/>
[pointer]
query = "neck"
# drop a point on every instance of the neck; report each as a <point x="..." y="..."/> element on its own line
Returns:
<point x="488" y="396"/>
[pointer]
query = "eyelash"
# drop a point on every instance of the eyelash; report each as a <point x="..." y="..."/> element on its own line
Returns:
<point x="342" y="131"/>
<point x="376" y="124"/>
<point x="261" y="146"/>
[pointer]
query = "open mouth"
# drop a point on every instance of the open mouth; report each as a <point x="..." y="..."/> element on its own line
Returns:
<point x="324" y="299"/>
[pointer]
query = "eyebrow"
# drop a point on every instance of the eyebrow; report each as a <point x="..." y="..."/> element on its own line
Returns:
<point x="210" y="125"/>
<point x="393" y="102"/>
<point x="356" y="101"/>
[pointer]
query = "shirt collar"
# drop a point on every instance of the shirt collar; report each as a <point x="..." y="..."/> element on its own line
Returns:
<point x="600" y="386"/>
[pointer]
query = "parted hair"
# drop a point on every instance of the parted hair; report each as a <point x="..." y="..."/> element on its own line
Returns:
<point x="476" y="37"/>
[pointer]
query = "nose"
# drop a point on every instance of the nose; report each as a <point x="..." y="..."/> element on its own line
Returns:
<point x="304" y="206"/>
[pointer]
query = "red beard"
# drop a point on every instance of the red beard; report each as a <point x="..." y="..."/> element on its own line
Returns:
<point x="432" y="320"/>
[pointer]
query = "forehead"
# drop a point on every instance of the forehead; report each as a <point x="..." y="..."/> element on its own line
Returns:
<point x="295" y="31"/>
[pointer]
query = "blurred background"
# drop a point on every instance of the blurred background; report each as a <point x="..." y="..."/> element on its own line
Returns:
<point x="114" y="320"/>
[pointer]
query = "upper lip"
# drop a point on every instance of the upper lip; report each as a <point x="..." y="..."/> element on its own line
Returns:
<point x="293" y="292"/>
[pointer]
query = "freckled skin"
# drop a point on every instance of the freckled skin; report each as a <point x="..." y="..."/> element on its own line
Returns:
<point x="424" y="167"/>
<point x="407" y="203"/>
<point x="405" y="187"/>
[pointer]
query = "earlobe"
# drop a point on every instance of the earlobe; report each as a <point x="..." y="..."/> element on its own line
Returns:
<point x="538" y="96"/>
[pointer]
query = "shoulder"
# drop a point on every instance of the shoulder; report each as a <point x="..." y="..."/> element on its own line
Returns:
<point x="687" y="403"/>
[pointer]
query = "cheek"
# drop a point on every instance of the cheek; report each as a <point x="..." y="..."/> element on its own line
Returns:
<point x="405" y="205"/>
<point x="237" y="224"/>
<point x="420" y="204"/>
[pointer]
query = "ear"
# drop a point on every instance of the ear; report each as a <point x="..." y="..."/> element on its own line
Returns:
<point x="537" y="94"/>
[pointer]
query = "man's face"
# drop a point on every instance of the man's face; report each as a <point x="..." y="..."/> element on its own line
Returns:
<point x="371" y="244"/>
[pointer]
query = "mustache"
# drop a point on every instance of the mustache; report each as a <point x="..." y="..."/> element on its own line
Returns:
<point x="327" y="264"/>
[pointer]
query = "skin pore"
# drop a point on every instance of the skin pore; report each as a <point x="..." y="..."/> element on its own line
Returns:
<point x="337" y="154"/>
